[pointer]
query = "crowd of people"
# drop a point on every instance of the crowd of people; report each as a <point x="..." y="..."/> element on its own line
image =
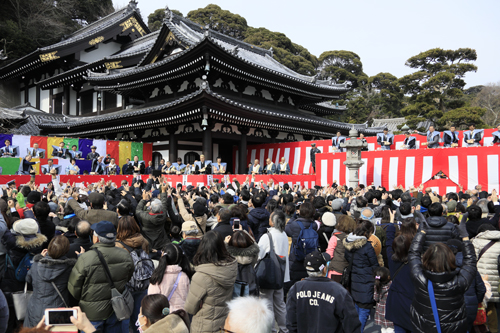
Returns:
<point x="249" y="257"/>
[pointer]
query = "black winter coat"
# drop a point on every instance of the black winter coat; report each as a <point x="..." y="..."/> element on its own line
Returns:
<point x="322" y="232"/>
<point x="449" y="290"/>
<point x="364" y="260"/>
<point x="402" y="290"/>
<point x="153" y="226"/>
<point x="247" y="258"/>
<point x="189" y="246"/>
<point x="258" y="220"/>
<point x="224" y="229"/>
<point x="439" y="231"/>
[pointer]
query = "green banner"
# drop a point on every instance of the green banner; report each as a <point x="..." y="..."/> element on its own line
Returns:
<point x="137" y="150"/>
<point x="9" y="165"/>
<point x="69" y="142"/>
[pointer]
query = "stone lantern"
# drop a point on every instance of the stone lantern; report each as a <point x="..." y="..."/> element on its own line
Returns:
<point x="353" y="156"/>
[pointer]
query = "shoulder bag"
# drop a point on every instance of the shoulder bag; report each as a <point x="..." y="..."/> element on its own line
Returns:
<point x="20" y="300"/>
<point x="122" y="303"/>
<point x="270" y="270"/>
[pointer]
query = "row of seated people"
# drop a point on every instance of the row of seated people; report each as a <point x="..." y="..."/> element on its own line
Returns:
<point x="202" y="166"/>
<point x="270" y="168"/>
<point x="450" y="138"/>
<point x="57" y="152"/>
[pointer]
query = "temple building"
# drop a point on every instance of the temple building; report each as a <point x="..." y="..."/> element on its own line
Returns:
<point x="185" y="87"/>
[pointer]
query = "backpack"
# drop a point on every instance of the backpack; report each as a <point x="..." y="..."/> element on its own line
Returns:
<point x="24" y="266"/>
<point x="143" y="269"/>
<point x="307" y="241"/>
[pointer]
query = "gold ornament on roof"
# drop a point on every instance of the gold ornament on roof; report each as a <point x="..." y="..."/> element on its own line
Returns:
<point x="96" y="40"/>
<point x="49" y="56"/>
<point x="132" y="22"/>
<point x="113" y="65"/>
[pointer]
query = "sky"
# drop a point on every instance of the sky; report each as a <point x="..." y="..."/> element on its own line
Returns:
<point x="383" y="33"/>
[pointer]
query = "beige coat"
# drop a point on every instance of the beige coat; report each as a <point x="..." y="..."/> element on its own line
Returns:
<point x="211" y="289"/>
<point x="172" y="323"/>
<point x="202" y="220"/>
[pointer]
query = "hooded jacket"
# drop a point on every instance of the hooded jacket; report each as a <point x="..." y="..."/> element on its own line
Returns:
<point x="43" y="272"/>
<point x="211" y="289"/>
<point x="88" y="282"/>
<point x="246" y="258"/>
<point x="173" y="323"/>
<point x="320" y="305"/>
<point x="439" y="231"/>
<point x="153" y="226"/>
<point x="258" y="220"/>
<point x="364" y="260"/>
<point x="449" y="290"/>
<point x="17" y="247"/>
<point x="167" y="283"/>
<point x="488" y="263"/>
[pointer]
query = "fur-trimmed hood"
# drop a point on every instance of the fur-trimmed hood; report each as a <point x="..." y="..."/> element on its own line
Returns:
<point x="51" y="269"/>
<point x="353" y="242"/>
<point x="30" y="243"/>
<point x="245" y="256"/>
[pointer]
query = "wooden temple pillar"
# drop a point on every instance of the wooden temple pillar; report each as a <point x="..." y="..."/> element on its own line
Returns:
<point x="172" y="144"/>
<point x="242" y="157"/>
<point x="66" y="101"/>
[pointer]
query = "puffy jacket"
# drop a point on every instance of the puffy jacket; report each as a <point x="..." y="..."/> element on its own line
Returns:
<point x="247" y="258"/>
<point x="43" y="272"/>
<point x="258" y="220"/>
<point x="173" y="323"/>
<point x="17" y="247"/>
<point x="402" y="290"/>
<point x="93" y="215"/>
<point x="364" y="260"/>
<point x="474" y="295"/>
<point x="153" y="226"/>
<point x="167" y="283"/>
<point x="189" y="246"/>
<point x="439" y="231"/>
<point x="449" y="290"/>
<point x="88" y="282"/>
<point x="336" y="250"/>
<point x="487" y="265"/>
<point x="211" y="289"/>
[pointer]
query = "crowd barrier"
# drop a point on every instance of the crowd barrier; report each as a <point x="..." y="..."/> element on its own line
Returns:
<point x="465" y="166"/>
<point x="297" y="154"/>
<point x="194" y="180"/>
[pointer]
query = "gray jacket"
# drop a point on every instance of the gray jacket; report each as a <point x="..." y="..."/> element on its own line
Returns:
<point x="43" y="272"/>
<point x="153" y="226"/>
<point x="487" y="265"/>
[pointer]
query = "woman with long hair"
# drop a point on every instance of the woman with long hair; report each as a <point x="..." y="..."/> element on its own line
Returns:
<point x="51" y="266"/>
<point x="129" y="237"/>
<point x="360" y="251"/>
<point x="345" y="225"/>
<point x="401" y="291"/>
<point x="436" y="271"/>
<point x="156" y="315"/>
<point x="212" y="284"/>
<point x="171" y="277"/>
<point x="241" y="246"/>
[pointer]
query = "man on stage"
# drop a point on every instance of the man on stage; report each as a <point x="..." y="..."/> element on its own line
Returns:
<point x="93" y="154"/>
<point x="46" y="169"/>
<point x="137" y="165"/>
<point x="256" y="169"/>
<point x="270" y="167"/>
<point x="60" y="151"/>
<point x="496" y="137"/>
<point x="385" y="140"/>
<point x="472" y="137"/>
<point x="204" y="166"/>
<point x="36" y="152"/>
<point x="284" y="167"/>
<point x="432" y="137"/>
<point x="410" y="141"/>
<point x="337" y="140"/>
<point x="98" y="167"/>
<point x="450" y="137"/>
<point x="314" y="151"/>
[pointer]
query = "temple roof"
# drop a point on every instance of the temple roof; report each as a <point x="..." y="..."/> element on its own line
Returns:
<point x="29" y="118"/>
<point x="235" y="55"/>
<point x="90" y="35"/>
<point x="188" y="108"/>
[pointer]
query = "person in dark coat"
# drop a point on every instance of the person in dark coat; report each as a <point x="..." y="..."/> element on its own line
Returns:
<point x="439" y="230"/>
<point x="83" y="239"/>
<point x="4" y="313"/>
<point x="401" y="291"/>
<point x="328" y="222"/>
<point x="475" y="219"/>
<point x="242" y="247"/>
<point x="51" y="266"/>
<point x="153" y="222"/>
<point x="292" y="229"/>
<point x="475" y="294"/>
<point x="41" y="212"/>
<point x="191" y="236"/>
<point x="364" y="260"/>
<point x="449" y="282"/>
<point x="223" y="226"/>
<point x="22" y="239"/>
<point x="313" y="153"/>
<point x="258" y="217"/>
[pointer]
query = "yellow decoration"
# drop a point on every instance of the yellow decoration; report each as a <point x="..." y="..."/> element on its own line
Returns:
<point x="113" y="65"/>
<point x="132" y="22"/>
<point x="96" y="40"/>
<point x="49" y="56"/>
<point x="125" y="149"/>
